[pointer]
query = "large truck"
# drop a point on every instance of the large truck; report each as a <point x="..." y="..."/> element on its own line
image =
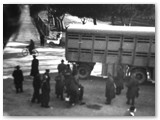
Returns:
<point x="130" y="46"/>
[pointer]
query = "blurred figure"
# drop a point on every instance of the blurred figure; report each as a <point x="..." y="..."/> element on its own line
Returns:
<point x="61" y="67"/>
<point x="131" y="111"/>
<point x="73" y="91"/>
<point x="45" y="90"/>
<point x="119" y="79"/>
<point x="110" y="89"/>
<point x="31" y="46"/>
<point x="42" y="40"/>
<point x="59" y="86"/>
<point x="36" y="87"/>
<point x="18" y="79"/>
<point x="132" y="90"/>
<point x="34" y="66"/>
<point x="74" y="70"/>
<point x="119" y="85"/>
<point x="68" y="76"/>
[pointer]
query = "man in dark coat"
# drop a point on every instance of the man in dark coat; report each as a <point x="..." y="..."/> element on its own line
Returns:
<point x="18" y="79"/>
<point x="45" y="89"/>
<point x="132" y="90"/>
<point x="59" y="86"/>
<point x="119" y="79"/>
<point x="74" y="71"/>
<point x="110" y="89"/>
<point x="68" y="76"/>
<point x="34" y="66"/>
<point x="61" y="67"/>
<point x="119" y="85"/>
<point x="73" y="91"/>
<point x="36" y="87"/>
<point x="42" y="39"/>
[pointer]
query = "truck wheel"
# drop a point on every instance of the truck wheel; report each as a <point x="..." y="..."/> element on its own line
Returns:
<point x="83" y="71"/>
<point x="139" y="75"/>
<point x="51" y="44"/>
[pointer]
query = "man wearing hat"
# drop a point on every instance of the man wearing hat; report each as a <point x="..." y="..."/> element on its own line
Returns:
<point x="45" y="89"/>
<point x="110" y="89"/>
<point x="61" y="67"/>
<point x="34" y="66"/>
<point x="18" y="79"/>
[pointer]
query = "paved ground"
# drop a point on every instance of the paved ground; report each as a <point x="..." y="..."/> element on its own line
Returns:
<point x="19" y="105"/>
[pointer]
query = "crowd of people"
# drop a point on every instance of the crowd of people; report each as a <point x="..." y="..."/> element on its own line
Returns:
<point x="67" y="82"/>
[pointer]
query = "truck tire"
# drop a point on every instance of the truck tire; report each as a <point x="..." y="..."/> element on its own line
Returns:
<point x="51" y="44"/>
<point x="140" y="75"/>
<point x="83" y="71"/>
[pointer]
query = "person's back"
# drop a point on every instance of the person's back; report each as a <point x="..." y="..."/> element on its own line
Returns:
<point x="34" y="66"/>
<point x="18" y="79"/>
<point x="37" y="81"/>
<point x="45" y="89"/>
<point x="110" y="89"/>
<point x="61" y="67"/>
<point x="18" y="75"/>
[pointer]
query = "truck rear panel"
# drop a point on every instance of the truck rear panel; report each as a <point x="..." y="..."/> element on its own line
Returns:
<point x="111" y="44"/>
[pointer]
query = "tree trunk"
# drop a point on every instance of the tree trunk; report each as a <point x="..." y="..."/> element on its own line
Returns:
<point x="61" y="22"/>
<point x="122" y="21"/>
<point x="94" y="21"/>
<point x="112" y="20"/>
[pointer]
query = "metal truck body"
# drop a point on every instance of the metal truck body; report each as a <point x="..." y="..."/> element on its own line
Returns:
<point x="128" y="45"/>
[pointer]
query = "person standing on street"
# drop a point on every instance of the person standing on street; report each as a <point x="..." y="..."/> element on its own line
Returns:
<point x="119" y="79"/>
<point x="45" y="90"/>
<point x="61" y="67"/>
<point x="59" y="86"/>
<point x="68" y="76"/>
<point x="110" y="89"/>
<point x="34" y="67"/>
<point x="18" y="79"/>
<point x="42" y="40"/>
<point x="132" y="90"/>
<point x="36" y="87"/>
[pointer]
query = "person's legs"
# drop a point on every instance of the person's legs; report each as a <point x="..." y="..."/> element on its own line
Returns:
<point x="109" y="100"/>
<point x="128" y="101"/>
<point x="132" y="101"/>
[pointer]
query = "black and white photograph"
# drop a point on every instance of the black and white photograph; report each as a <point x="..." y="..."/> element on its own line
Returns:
<point x="79" y="60"/>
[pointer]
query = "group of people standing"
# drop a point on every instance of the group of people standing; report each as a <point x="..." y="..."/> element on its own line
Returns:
<point x="41" y="84"/>
<point x="114" y="86"/>
<point x="67" y="81"/>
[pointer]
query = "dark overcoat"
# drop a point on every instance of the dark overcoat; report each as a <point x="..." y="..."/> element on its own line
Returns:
<point x="34" y="67"/>
<point x="110" y="88"/>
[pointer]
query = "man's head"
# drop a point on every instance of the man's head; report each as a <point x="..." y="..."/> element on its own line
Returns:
<point x="62" y="61"/>
<point x="34" y="56"/>
<point x="17" y="67"/>
<point x="47" y="70"/>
